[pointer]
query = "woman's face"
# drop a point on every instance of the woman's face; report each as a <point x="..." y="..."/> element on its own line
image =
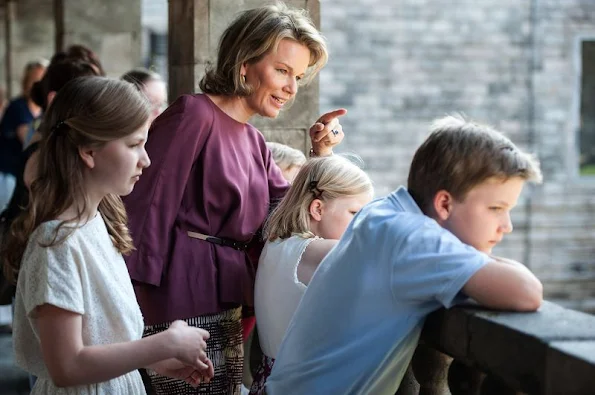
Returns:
<point x="156" y="92"/>
<point x="275" y="78"/>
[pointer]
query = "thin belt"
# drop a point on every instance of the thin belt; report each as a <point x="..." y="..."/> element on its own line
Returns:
<point x="236" y="245"/>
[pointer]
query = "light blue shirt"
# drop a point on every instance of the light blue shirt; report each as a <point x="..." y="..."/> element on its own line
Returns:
<point x="359" y="321"/>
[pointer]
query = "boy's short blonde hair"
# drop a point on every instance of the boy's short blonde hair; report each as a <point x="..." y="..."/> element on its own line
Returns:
<point x="285" y="156"/>
<point x="460" y="154"/>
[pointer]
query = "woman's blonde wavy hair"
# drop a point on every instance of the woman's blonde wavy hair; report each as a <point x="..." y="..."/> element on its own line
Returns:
<point x="325" y="178"/>
<point x="86" y="112"/>
<point x="251" y="36"/>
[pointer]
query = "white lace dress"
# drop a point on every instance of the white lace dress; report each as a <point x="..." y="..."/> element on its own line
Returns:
<point x="87" y="275"/>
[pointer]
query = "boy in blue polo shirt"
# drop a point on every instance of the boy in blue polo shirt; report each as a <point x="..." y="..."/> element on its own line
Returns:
<point x="406" y="255"/>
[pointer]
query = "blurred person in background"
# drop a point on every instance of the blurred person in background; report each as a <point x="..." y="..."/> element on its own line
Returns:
<point x="152" y="85"/>
<point x="289" y="160"/>
<point x="16" y="128"/>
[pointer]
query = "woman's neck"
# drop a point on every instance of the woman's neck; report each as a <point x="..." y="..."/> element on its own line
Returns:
<point x="234" y="106"/>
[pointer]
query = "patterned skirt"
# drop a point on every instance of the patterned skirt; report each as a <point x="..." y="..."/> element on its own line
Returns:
<point x="224" y="349"/>
<point x="261" y="375"/>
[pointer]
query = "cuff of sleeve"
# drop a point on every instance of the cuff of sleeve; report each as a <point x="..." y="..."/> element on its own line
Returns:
<point x="145" y="268"/>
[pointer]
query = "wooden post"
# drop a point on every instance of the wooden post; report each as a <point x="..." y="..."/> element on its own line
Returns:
<point x="188" y="44"/>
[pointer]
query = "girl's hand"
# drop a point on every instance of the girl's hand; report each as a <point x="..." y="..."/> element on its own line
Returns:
<point x="327" y="132"/>
<point x="189" y="345"/>
<point x="176" y="369"/>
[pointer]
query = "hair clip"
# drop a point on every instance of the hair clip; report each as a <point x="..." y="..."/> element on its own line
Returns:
<point x="57" y="127"/>
<point x="314" y="189"/>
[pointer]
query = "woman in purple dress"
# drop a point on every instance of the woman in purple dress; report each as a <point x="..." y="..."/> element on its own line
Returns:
<point x="196" y="212"/>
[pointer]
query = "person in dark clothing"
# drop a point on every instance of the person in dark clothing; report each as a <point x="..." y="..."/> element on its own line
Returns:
<point x="42" y="93"/>
<point x="16" y="129"/>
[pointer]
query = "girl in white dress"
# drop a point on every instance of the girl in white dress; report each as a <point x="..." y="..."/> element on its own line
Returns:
<point x="77" y="324"/>
<point x="307" y="223"/>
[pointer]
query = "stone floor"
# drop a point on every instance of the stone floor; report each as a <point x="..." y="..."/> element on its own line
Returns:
<point x="13" y="381"/>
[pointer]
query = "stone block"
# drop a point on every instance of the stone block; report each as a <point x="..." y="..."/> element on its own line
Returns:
<point x="111" y="28"/>
<point x="570" y="368"/>
<point x="522" y="350"/>
<point x="32" y="34"/>
<point x="296" y="138"/>
<point x="223" y="12"/>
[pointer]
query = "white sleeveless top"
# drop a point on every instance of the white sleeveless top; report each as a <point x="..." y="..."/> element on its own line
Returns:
<point x="278" y="291"/>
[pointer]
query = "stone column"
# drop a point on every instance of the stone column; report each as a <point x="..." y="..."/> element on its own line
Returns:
<point x="111" y="28"/>
<point x="195" y="27"/>
<point x="29" y="32"/>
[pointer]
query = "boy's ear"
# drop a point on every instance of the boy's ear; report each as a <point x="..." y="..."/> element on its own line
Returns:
<point x="442" y="205"/>
<point x="316" y="209"/>
<point x="87" y="154"/>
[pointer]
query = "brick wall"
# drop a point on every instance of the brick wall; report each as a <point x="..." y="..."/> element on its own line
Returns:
<point x="513" y="64"/>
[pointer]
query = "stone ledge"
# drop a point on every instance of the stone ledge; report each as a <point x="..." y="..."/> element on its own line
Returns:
<point x="551" y="351"/>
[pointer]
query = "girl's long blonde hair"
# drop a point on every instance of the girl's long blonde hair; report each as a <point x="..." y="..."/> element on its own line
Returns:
<point x="86" y="112"/>
<point x="325" y="178"/>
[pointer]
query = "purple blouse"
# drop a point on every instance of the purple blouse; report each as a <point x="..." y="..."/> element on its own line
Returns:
<point x="209" y="174"/>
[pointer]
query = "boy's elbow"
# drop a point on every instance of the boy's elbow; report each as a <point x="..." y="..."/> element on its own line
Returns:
<point x="532" y="296"/>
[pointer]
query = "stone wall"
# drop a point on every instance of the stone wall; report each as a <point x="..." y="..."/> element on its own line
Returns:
<point x="112" y="28"/>
<point x="397" y="65"/>
<point x="32" y="31"/>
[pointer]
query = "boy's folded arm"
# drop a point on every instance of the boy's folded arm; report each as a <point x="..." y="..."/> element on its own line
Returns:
<point x="510" y="262"/>
<point x="506" y="285"/>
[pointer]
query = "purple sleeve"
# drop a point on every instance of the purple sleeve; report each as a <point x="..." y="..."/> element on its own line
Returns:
<point x="175" y="139"/>
<point x="278" y="187"/>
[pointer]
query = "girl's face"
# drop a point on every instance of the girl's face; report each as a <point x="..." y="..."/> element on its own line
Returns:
<point x="329" y="219"/>
<point x="117" y="165"/>
<point x="275" y="78"/>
